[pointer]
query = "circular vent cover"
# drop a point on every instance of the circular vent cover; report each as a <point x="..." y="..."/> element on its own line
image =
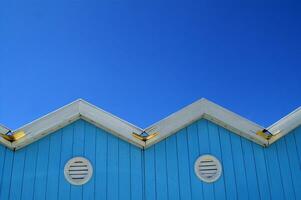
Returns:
<point x="208" y="168"/>
<point x="78" y="171"/>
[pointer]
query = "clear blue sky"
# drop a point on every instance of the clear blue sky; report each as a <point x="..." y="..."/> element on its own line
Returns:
<point x="143" y="60"/>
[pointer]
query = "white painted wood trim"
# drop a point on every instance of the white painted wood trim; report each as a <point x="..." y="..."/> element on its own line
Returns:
<point x="109" y="122"/>
<point x="78" y="109"/>
<point x="202" y="108"/>
<point x="47" y="124"/>
<point x="3" y="129"/>
<point x="208" y="110"/>
<point x="285" y="125"/>
<point x="4" y="142"/>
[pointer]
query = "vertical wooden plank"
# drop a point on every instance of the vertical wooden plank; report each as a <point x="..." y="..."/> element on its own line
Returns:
<point x="261" y="170"/>
<point x="228" y="166"/>
<point x="161" y="172"/>
<point x="204" y="142"/>
<point x="203" y="137"/>
<point x="124" y="170"/>
<point x="101" y="164"/>
<point x="17" y="174"/>
<point x="284" y="165"/>
<point x="2" y="164"/>
<point x="112" y="187"/>
<point x="6" y="174"/>
<point x="66" y="155"/>
<point x="54" y="165"/>
<point x="41" y="169"/>
<point x="251" y="174"/>
<point x="90" y="137"/>
<point x="215" y="148"/>
<point x="29" y="171"/>
<point x="2" y="158"/>
<point x="173" y="171"/>
<point x="193" y="150"/>
<point x="150" y="174"/>
<point x="78" y="150"/>
<point x="294" y="162"/>
<point x="136" y="173"/>
<point x="239" y="167"/>
<point x="274" y="173"/>
<point x="297" y="173"/>
<point x="297" y="137"/>
<point x="184" y="176"/>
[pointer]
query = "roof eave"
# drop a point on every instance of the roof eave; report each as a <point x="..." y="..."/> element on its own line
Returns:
<point x="78" y="109"/>
<point x="47" y="124"/>
<point x="285" y="125"/>
<point x="210" y="111"/>
<point x="202" y="108"/>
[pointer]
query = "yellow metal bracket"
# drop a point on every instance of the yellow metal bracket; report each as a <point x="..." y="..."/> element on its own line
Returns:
<point x="265" y="134"/>
<point x="144" y="136"/>
<point x="13" y="137"/>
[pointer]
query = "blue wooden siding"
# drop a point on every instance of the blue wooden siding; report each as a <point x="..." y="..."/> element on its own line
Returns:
<point x="164" y="171"/>
<point x="36" y="172"/>
<point x="249" y="170"/>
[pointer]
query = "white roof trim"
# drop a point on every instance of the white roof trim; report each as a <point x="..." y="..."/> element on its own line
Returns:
<point x="202" y="108"/>
<point x="4" y="130"/>
<point x="78" y="109"/>
<point x="285" y="125"/>
<point x="208" y="110"/>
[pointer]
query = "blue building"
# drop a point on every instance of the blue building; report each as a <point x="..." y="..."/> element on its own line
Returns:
<point x="200" y="152"/>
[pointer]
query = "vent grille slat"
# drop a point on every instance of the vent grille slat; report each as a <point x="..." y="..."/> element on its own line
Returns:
<point x="78" y="168"/>
<point x="81" y="176"/>
<point x="78" y="165"/>
<point x="77" y="172"/>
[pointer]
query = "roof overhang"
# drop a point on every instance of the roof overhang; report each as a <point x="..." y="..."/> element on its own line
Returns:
<point x="285" y="125"/>
<point x="4" y="130"/>
<point x="78" y="109"/>
<point x="202" y="108"/>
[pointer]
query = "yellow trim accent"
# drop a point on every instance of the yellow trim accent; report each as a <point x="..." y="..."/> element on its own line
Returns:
<point x="144" y="138"/>
<point x="15" y="136"/>
<point x="6" y="137"/>
<point x="151" y="136"/>
<point x="139" y="137"/>
<point x="264" y="135"/>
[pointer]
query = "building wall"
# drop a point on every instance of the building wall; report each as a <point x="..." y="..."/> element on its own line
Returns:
<point x="249" y="170"/>
<point x="37" y="171"/>
<point x="163" y="171"/>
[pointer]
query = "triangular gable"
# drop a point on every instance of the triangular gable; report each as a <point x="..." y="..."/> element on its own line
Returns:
<point x="78" y="109"/>
<point x="202" y="108"/>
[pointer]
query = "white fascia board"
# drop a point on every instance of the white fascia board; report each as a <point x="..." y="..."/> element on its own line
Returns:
<point x="110" y="123"/>
<point x="4" y="142"/>
<point x="47" y="124"/>
<point x="208" y="110"/>
<point x="175" y="122"/>
<point x="3" y="129"/>
<point x="203" y="108"/>
<point x="233" y="122"/>
<point x="285" y="125"/>
<point x="78" y="109"/>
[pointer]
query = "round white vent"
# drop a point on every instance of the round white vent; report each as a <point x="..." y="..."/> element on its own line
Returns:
<point x="208" y="168"/>
<point x="78" y="171"/>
